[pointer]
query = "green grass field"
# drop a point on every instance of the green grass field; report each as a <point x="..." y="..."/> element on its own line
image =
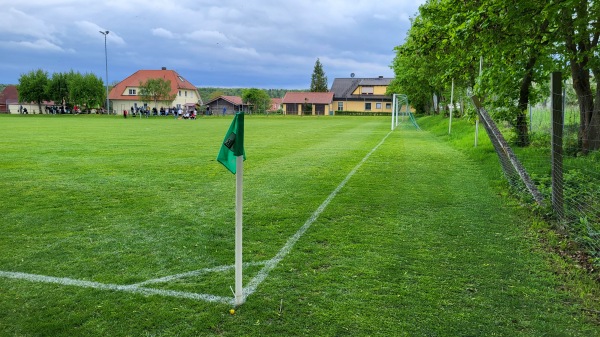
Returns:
<point x="125" y="227"/>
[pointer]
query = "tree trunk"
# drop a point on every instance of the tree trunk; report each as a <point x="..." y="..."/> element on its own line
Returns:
<point x="522" y="127"/>
<point x="594" y="121"/>
<point x="581" y="84"/>
<point x="580" y="48"/>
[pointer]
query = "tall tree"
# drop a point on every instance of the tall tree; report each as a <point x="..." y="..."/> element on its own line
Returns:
<point x="32" y="87"/>
<point x="58" y="88"/>
<point x="579" y="27"/>
<point x="318" y="82"/>
<point x="448" y="38"/>
<point x="156" y="90"/>
<point x="87" y="90"/>
<point x="259" y="99"/>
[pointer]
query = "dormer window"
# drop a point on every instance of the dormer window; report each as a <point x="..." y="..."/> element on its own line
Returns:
<point x="132" y="92"/>
<point x="366" y="90"/>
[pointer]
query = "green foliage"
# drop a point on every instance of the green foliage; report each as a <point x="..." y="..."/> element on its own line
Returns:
<point x="318" y="81"/>
<point x="86" y="91"/>
<point x="58" y="88"/>
<point x="32" y="87"/>
<point x="157" y="90"/>
<point x="72" y="88"/>
<point x="519" y="44"/>
<point x="258" y="99"/>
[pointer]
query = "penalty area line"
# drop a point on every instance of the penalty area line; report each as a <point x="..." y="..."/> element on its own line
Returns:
<point x="285" y="250"/>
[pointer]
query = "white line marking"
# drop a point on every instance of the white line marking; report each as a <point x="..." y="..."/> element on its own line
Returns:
<point x="271" y="264"/>
<point x="115" y="287"/>
<point x="197" y="272"/>
<point x="249" y="290"/>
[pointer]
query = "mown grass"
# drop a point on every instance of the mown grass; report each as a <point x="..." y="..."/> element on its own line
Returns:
<point x="418" y="243"/>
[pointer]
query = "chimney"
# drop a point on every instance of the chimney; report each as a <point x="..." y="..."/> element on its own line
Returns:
<point x="164" y="68"/>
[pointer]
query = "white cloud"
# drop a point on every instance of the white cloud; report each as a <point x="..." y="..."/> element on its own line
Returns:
<point x="267" y="41"/>
<point x="16" y="22"/>
<point x="40" y="45"/>
<point x="93" y="30"/>
<point x="161" y="32"/>
<point x="207" y="36"/>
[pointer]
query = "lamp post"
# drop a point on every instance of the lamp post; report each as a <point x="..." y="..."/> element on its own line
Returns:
<point x="106" y="59"/>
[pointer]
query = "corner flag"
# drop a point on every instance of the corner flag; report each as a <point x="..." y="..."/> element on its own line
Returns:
<point x="233" y="144"/>
<point x="232" y="156"/>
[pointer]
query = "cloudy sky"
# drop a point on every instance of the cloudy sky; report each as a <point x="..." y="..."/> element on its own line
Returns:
<point x="225" y="43"/>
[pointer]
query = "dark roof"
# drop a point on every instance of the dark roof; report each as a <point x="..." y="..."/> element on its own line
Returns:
<point x="343" y="88"/>
<point x="308" y="97"/>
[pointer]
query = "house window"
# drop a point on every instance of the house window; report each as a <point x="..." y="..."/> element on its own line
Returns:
<point x="340" y="106"/>
<point x="366" y="90"/>
<point x="132" y="92"/>
<point x="388" y="105"/>
<point x="378" y="106"/>
<point x="179" y="93"/>
<point x="367" y="106"/>
<point x="185" y="92"/>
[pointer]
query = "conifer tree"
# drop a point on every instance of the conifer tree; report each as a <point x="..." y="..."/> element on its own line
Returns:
<point x="318" y="82"/>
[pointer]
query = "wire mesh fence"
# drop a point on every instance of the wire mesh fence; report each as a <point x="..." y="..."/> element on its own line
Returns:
<point x="563" y="180"/>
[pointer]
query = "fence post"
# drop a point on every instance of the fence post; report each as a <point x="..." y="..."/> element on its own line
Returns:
<point x="557" y="144"/>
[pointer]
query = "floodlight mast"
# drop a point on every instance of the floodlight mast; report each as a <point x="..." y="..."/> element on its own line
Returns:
<point x="106" y="64"/>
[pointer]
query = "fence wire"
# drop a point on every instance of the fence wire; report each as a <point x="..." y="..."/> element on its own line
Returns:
<point x="578" y="213"/>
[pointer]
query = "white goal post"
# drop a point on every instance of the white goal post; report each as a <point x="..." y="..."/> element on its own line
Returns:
<point x="399" y="100"/>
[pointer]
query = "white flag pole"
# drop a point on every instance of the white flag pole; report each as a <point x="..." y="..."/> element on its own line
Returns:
<point x="239" y="179"/>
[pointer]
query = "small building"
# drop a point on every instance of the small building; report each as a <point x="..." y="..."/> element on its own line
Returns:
<point x="8" y="96"/>
<point x="126" y="94"/>
<point x="276" y="105"/>
<point x="366" y="95"/>
<point x="227" y="105"/>
<point x="9" y="103"/>
<point x="307" y="103"/>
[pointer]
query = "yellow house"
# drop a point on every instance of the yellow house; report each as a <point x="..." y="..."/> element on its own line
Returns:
<point x="125" y="94"/>
<point x="366" y="95"/>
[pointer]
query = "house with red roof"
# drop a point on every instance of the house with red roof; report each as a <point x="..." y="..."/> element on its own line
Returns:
<point x="126" y="94"/>
<point x="308" y="103"/>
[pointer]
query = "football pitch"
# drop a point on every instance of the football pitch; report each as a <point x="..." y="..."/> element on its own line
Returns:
<point x="125" y="227"/>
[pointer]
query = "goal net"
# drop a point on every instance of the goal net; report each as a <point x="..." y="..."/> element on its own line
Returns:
<point x="401" y="111"/>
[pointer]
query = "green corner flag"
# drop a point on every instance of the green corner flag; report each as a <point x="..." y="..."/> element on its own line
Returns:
<point x="233" y="144"/>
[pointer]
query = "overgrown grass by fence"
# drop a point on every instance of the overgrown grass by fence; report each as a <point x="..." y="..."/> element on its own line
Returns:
<point x="579" y="218"/>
